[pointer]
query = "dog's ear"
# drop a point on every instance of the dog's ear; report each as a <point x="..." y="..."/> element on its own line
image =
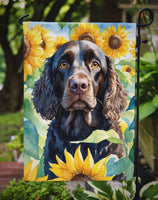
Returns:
<point x="44" y="98"/>
<point x="115" y="97"/>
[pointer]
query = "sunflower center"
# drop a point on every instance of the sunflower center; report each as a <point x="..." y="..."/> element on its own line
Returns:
<point x="27" y="48"/>
<point x="43" y="43"/>
<point x="115" y="41"/>
<point x="86" y="36"/>
<point x="128" y="69"/>
<point x="81" y="177"/>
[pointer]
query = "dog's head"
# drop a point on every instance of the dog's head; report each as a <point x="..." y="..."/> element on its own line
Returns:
<point x="78" y="76"/>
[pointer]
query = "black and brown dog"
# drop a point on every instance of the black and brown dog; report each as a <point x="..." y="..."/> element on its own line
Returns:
<point x="81" y="91"/>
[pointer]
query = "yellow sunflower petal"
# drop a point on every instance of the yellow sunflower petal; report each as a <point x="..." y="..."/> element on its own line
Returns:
<point x="30" y="175"/>
<point x="61" y="173"/>
<point x="26" y="27"/>
<point x="78" y="160"/>
<point x="108" y="178"/>
<point x="33" y="174"/>
<point x="38" y="62"/>
<point x="34" y="37"/>
<point x="88" y="164"/>
<point x="27" y="169"/>
<point x="60" y="163"/>
<point x="27" y="68"/>
<point x="44" y="178"/>
<point x="97" y="168"/>
<point x="57" y="179"/>
<point x="25" y="76"/>
<point x="70" y="162"/>
<point x="36" y="50"/>
<point x="100" y="176"/>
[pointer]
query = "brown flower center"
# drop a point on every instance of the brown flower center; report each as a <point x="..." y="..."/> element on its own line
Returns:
<point x="128" y="69"/>
<point x="115" y="41"/>
<point x="86" y="36"/>
<point x="43" y="44"/>
<point x="27" y="48"/>
<point x="81" y="177"/>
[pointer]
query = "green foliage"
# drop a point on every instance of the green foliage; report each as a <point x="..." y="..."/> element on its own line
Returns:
<point x="31" y="139"/>
<point x="148" y="84"/>
<point x="150" y="191"/>
<point x="10" y="124"/>
<point x="111" y="190"/>
<point x="108" y="190"/>
<point x="17" y="142"/>
<point x="78" y="193"/>
<point x="35" y="190"/>
<point x="100" y="135"/>
<point x="2" y="67"/>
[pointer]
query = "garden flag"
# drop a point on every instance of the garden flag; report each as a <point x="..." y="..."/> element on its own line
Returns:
<point x="79" y="100"/>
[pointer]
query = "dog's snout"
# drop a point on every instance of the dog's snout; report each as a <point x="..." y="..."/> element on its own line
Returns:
<point x="79" y="84"/>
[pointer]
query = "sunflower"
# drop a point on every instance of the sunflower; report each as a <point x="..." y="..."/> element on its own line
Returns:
<point x="115" y="41"/>
<point x="59" y="41"/>
<point x="75" y="168"/>
<point x="132" y="50"/>
<point x="47" y="41"/>
<point x="129" y="69"/>
<point x="32" y="50"/>
<point x="87" y="31"/>
<point x="30" y="174"/>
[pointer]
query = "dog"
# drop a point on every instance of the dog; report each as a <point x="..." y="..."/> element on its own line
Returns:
<point x="80" y="92"/>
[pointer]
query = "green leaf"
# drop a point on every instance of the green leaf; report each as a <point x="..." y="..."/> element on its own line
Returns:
<point x="62" y="24"/>
<point x="31" y="114"/>
<point x="146" y="77"/>
<point x="41" y="168"/>
<point x="119" y="194"/>
<point x="94" y="196"/>
<point x="146" y="109"/>
<point x="150" y="190"/>
<point x="119" y="166"/>
<point x="102" y="186"/>
<point x="129" y="171"/>
<point x="30" y="81"/>
<point x="128" y="115"/>
<point x="31" y="140"/>
<point x="131" y="154"/>
<point x="131" y="63"/>
<point x="148" y="57"/>
<point x="155" y="101"/>
<point x="125" y="76"/>
<point x="129" y="135"/>
<point x="101" y="190"/>
<point x="100" y="135"/>
<point x="27" y="158"/>
<point x="73" y="25"/>
<point x="131" y="187"/>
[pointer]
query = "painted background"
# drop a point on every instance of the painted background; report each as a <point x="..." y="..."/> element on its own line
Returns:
<point x="41" y="40"/>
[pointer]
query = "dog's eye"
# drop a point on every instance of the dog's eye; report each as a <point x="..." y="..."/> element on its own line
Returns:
<point x="94" y="64"/>
<point x="63" y="64"/>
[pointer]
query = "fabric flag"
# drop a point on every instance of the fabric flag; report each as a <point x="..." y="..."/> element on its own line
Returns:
<point x="79" y="100"/>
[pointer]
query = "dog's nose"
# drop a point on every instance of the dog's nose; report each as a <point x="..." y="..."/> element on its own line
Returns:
<point x="79" y="85"/>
